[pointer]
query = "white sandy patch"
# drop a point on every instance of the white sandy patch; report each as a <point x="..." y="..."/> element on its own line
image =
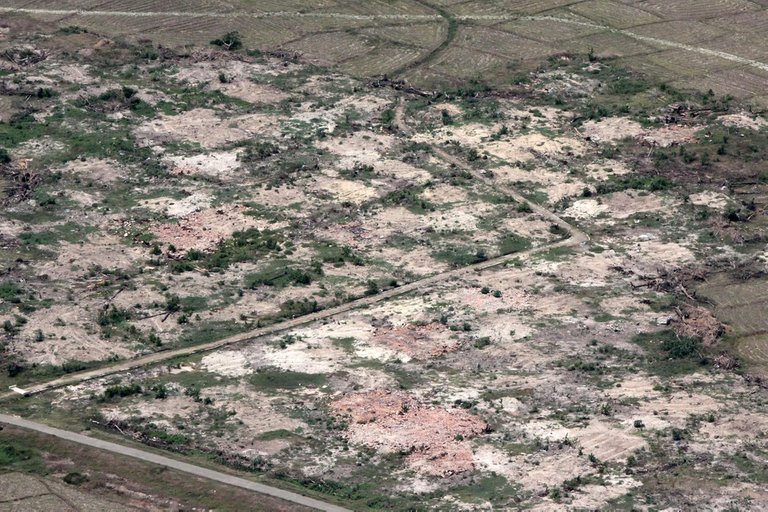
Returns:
<point x="585" y="209"/>
<point x="607" y="169"/>
<point x="99" y="170"/>
<point x="470" y="133"/>
<point x="346" y="190"/>
<point x="444" y="194"/>
<point x="607" y="442"/>
<point x="710" y="199"/>
<point x="73" y="73"/>
<point x="307" y="356"/>
<point x="207" y="128"/>
<point x="179" y="207"/>
<point x="743" y="120"/>
<point x="530" y="146"/>
<point x="215" y="164"/>
<point x="670" y="135"/>
<point x="230" y="363"/>
<point x="452" y="220"/>
<point x="630" y="202"/>
<point x="364" y="147"/>
<point x="83" y="198"/>
<point x="611" y="129"/>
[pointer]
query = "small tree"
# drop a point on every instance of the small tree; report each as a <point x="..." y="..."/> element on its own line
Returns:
<point x="230" y="41"/>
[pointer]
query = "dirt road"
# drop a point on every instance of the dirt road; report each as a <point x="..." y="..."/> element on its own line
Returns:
<point x="159" y="357"/>
<point x="172" y="463"/>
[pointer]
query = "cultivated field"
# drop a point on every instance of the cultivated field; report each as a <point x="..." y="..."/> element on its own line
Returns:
<point x="719" y="46"/>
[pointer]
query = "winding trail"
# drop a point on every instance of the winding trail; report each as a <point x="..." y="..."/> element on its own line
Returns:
<point x="167" y="462"/>
<point x="441" y="15"/>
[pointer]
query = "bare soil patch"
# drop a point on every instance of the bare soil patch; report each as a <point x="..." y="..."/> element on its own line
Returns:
<point x="743" y="120"/>
<point x="206" y="128"/>
<point x="417" y="341"/>
<point x="220" y="164"/>
<point x="205" y="229"/>
<point x="396" y="421"/>
<point x="611" y="129"/>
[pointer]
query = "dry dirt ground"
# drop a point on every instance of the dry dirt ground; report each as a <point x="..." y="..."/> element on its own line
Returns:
<point x="26" y="492"/>
<point x="174" y="200"/>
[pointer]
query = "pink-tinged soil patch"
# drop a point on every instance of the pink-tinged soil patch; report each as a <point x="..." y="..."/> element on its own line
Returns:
<point x="204" y="230"/>
<point x="417" y="341"/>
<point x="436" y="438"/>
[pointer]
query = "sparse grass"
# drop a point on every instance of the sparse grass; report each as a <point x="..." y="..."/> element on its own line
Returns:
<point x="668" y="354"/>
<point x="274" y="379"/>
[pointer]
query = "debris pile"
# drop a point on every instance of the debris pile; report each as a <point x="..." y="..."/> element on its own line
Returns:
<point x="698" y="322"/>
<point x="436" y="439"/>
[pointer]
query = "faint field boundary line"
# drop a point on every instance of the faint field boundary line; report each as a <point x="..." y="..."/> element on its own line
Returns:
<point x="422" y="17"/>
<point x="237" y="14"/>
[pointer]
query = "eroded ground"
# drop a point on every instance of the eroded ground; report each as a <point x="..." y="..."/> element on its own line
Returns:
<point x="180" y="198"/>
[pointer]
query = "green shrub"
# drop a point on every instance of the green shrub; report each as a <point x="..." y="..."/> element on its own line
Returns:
<point x="259" y="151"/>
<point x="483" y="342"/>
<point x="75" y="478"/>
<point x="513" y="243"/>
<point x="20" y="458"/>
<point x="680" y="348"/>
<point x="524" y="208"/>
<point x="293" y="308"/>
<point x="330" y="252"/>
<point x="278" y="275"/>
<point x="9" y="292"/>
<point x="113" y="316"/>
<point x="119" y="391"/>
<point x="461" y="256"/>
<point x="230" y="41"/>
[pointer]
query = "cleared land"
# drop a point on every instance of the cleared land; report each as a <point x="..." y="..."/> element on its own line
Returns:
<point x="474" y="299"/>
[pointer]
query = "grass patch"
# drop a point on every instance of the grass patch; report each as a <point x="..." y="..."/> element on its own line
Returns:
<point x="18" y="458"/>
<point x="272" y="379"/>
<point x="461" y="256"/>
<point x="513" y="243"/>
<point x="69" y="232"/>
<point x="668" y="354"/>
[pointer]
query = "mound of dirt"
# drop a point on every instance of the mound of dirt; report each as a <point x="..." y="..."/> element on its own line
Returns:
<point x="435" y="438"/>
